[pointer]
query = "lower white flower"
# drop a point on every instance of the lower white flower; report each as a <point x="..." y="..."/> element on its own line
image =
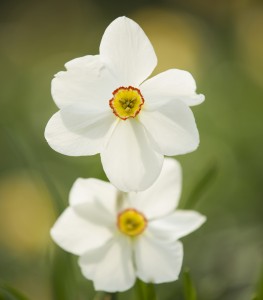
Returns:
<point x="120" y="236"/>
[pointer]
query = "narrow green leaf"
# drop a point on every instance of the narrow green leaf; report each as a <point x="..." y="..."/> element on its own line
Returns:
<point x="259" y="292"/>
<point x="62" y="276"/>
<point x="201" y="186"/>
<point x="189" y="289"/>
<point x="9" y="293"/>
<point x="144" y="291"/>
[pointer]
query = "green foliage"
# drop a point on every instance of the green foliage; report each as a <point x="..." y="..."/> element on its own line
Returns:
<point x="9" y="293"/>
<point x="189" y="289"/>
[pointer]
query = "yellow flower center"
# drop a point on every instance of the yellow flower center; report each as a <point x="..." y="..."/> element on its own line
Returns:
<point x="131" y="222"/>
<point x="126" y="102"/>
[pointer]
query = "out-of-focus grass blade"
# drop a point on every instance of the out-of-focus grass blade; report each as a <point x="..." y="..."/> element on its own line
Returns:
<point x="201" y="186"/>
<point x="259" y="293"/>
<point x="29" y="158"/>
<point x="62" y="276"/>
<point x="9" y="293"/>
<point x="144" y="291"/>
<point x="189" y="289"/>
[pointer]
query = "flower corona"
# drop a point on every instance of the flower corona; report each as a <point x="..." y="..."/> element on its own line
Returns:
<point x="131" y="222"/>
<point x="127" y="102"/>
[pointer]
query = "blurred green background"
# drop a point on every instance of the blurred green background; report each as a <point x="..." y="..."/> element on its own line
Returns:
<point x="221" y="44"/>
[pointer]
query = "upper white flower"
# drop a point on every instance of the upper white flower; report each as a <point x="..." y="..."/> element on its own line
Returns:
<point x="121" y="236"/>
<point x="106" y="107"/>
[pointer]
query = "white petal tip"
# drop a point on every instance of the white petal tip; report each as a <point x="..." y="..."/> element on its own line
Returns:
<point x="199" y="99"/>
<point x="203" y="219"/>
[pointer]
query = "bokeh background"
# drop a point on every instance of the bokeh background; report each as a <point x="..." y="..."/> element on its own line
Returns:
<point x="221" y="44"/>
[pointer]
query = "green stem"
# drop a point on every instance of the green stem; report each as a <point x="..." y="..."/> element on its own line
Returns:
<point x="106" y="296"/>
<point x="144" y="291"/>
<point x="112" y="296"/>
<point x="189" y="289"/>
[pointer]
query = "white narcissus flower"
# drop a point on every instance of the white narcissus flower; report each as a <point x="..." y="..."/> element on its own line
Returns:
<point x="120" y="236"/>
<point x="107" y="106"/>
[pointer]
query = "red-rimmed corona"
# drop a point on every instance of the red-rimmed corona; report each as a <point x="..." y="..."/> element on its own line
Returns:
<point x="131" y="222"/>
<point x="126" y="102"/>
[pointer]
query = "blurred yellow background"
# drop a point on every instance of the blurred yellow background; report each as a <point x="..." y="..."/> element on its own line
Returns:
<point x="221" y="44"/>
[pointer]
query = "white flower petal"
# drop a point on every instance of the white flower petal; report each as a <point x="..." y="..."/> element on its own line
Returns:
<point x="87" y="80"/>
<point x="157" y="262"/>
<point x="78" y="133"/>
<point x="176" y="225"/>
<point x="171" y="128"/>
<point x="172" y="84"/>
<point x="127" y="51"/>
<point x="110" y="267"/>
<point x="77" y="235"/>
<point x="94" y="200"/>
<point x="163" y="196"/>
<point x="129" y="160"/>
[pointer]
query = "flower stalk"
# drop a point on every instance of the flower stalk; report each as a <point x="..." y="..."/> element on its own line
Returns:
<point x="144" y="291"/>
